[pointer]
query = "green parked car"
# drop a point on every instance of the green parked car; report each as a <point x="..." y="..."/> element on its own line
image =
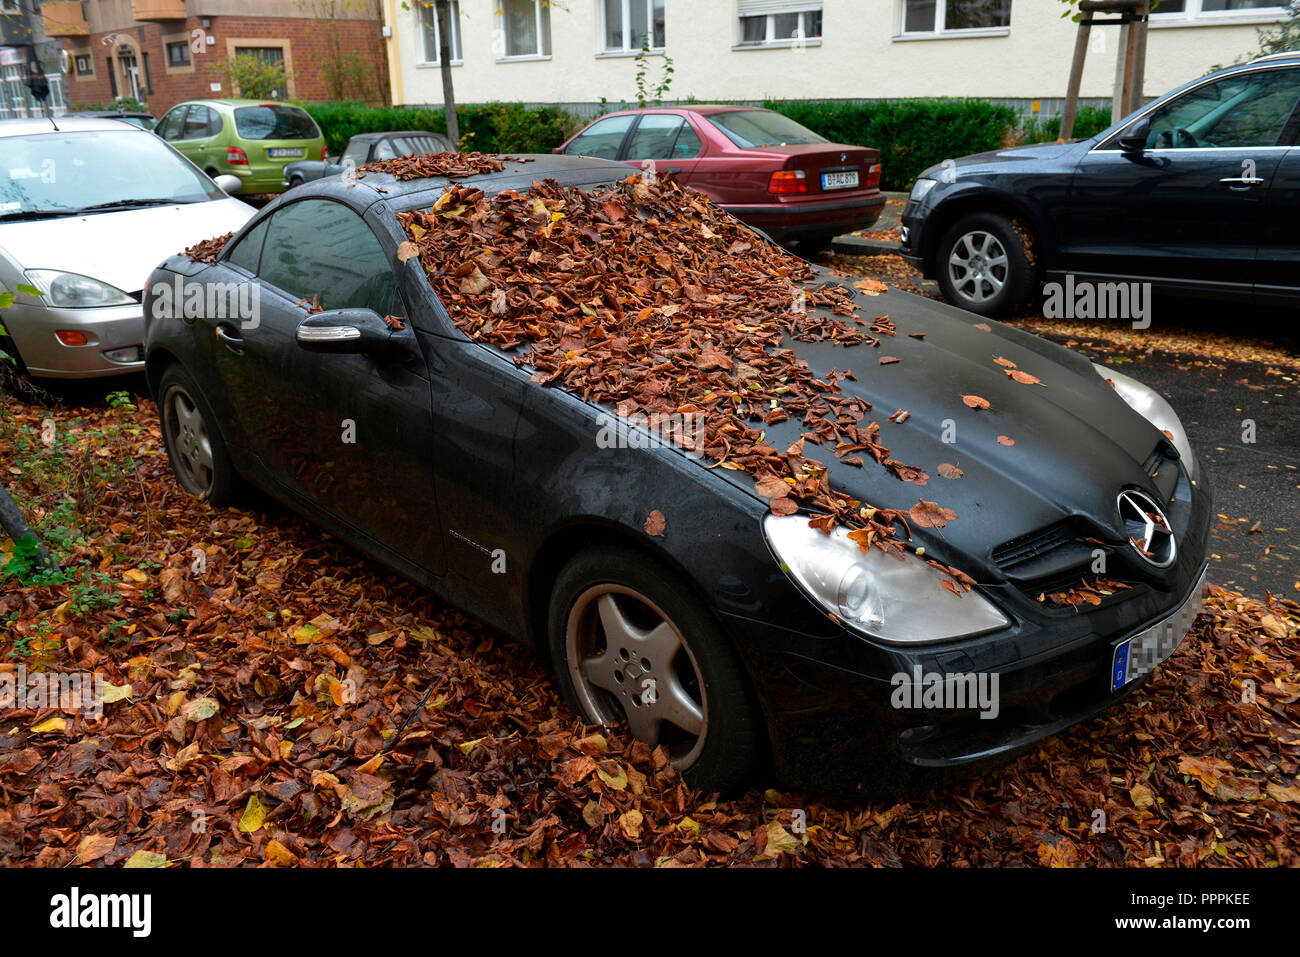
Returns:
<point x="245" y="138"/>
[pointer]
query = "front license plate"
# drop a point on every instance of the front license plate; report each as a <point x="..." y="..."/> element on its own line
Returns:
<point x="1139" y="655"/>
<point x="840" y="180"/>
<point x="285" y="153"/>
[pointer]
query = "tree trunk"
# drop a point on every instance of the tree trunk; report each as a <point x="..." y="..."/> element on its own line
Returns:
<point x="442" y="10"/>
<point x="15" y="526"/>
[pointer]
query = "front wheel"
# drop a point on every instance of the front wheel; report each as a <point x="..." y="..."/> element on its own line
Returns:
<point x="984" y="265"/>
<point x="631" y="643"/>
<point x="195" y="447"/>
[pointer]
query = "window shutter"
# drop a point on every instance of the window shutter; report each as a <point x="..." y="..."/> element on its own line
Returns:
<point x="758" y="8"/>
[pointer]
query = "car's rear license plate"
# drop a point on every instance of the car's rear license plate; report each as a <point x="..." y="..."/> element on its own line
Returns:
<point x="1139" y="655"/>
<point x="845" y="180"/>
<point x="285" y="153"/>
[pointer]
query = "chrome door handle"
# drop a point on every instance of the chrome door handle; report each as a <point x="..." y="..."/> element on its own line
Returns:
<point x="1243" y="180"/>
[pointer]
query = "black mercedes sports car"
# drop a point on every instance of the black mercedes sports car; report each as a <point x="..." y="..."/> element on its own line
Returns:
<point x="725" y="496"/>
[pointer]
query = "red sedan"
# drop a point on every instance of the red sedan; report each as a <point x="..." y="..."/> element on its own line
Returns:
<point x="762" y="167"/>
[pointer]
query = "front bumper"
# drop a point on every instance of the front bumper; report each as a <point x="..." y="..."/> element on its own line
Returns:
<point x="812" y="219"/>
<point x="118" y="330"/>
<point x="837" y="720"/>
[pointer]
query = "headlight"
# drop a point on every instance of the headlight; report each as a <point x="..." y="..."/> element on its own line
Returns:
<point x="1151" y="405"/>
<point x="920" y="188"/>
<point x="877" y="594"/>
<point x="69" y="290"/>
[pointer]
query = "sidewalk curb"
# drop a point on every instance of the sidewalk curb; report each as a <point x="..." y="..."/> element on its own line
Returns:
<point x="857" y="246"/>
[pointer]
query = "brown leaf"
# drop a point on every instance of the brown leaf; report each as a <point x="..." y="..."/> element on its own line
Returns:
<point x="930" y="514"/>
<point x="975" y="401"/>
<point x="950" y="471"/>
<point x="655" y="523"/>
<point x="1003" y="440"/>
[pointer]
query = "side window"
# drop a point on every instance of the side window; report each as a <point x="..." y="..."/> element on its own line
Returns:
<point x="323" y="252"/>
<point x="170" y="126"/>
<point x="196" y="124"/>
<point x="656" y="137"/>
<point x="1241" y="111"/>
<point x="384" y="150"/>
<point x="688" y="143"/>
<point x="248" y="251"/>
<point x="215" y="123"/>
<point x="358" y="150"/>
<point x="602" y="139"/>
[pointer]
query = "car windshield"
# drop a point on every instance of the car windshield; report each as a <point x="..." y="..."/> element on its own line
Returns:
<point x="273" y="122"/>
<point x="70" y="171"/>
<point x="752" y="129"/>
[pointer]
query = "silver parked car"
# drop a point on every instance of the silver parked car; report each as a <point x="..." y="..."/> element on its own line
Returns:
<point x="87" y="209"/>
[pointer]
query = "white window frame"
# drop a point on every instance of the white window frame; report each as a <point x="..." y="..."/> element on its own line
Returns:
<point x="1194" y="14"/>
<point x="538" y="8"/>
<point x="453" y="17"/>
<point x="9" y="6"/>
<point x="626" y="49"/>
<point x="941" y="30"/>
<point x="770" y="41"/>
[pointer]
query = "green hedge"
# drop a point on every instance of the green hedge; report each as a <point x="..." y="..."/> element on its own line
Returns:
<point x="490" y="127"/>
<point x="910" y="134"/>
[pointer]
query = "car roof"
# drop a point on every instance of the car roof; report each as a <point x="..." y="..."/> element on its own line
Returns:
<point x="381" y="134"/>
<point x="233" y="102"/>
<point x="108" y="114"/>
<point x="702" y="108"/>
<point x="63" y="124"/>
<point x="519" y="173"/>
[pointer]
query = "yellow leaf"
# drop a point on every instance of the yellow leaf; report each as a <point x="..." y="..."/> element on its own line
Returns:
<point x="467" y="746"/>
<point x="113" y="693"/>
<point x="279" y="855"/>
<point x="135" y="575"/>
<point x="93" y="847"/>
<point x="146" y="859"/>
<point x="1141" y="796"/>
<point x="779" y="841"/>
<point x="617" y="781"/>
<point x="200" y="709"/>
<point x="52" y="724"/>
<point x="253" y="816"/>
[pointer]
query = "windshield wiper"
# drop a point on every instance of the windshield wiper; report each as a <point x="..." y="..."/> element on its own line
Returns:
<point x="38" y="213"/>
<point x="129" y="203"/>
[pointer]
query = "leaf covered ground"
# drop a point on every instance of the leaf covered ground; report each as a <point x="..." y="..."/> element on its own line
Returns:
<point x="258" y="669"/>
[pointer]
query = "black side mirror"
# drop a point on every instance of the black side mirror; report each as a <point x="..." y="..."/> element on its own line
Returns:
<point x="352" y="332"/>
<point x="1133" y="141"/>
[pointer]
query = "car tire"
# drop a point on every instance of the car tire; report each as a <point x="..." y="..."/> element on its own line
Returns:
<point x="983" y="265"/>
<point x="195" y="447"/>
<point x="698" y="678"/>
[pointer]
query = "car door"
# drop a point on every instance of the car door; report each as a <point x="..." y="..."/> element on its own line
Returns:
<point x="169" y="127"/>
<point x="196" y="136"/>
<point x="346" y="434"/>
<point x="1191" y="209"/>
<point x="664" y="142"/>
<point x="1277" y="281"/>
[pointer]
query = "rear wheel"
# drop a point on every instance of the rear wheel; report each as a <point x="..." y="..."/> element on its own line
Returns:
<point x="195" y="447"/>
<point x="983" y="265"/>
<point x="631" y="643"/>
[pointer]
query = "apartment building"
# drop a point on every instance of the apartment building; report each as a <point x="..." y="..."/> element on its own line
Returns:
<point x="578" y="51"/>
<point x="24" y="50"/>
<point x="164" y="51"/>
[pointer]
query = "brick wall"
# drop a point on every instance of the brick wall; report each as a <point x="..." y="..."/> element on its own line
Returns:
<point x="307" y="45"/>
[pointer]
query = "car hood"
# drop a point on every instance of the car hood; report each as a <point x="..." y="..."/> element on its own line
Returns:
<point x="120" y="248"/>
<point x="1037" y="152"/>
<point x="1076" y="442"/>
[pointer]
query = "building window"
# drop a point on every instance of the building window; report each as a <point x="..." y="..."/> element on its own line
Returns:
<point x="1218" y="9"/>
<point x="955" y="16"/>
<point x="778" y="22"/>
<point x="430" y="37"/>
<point x="270" y="56"/>
<point x="9" y="6"/>
<point x="178" y="53"/>
<point x="630" y="24"/>
<point x="85" y="65"/>
<point x="526" y="28"/>
<point x="112" y="77"/>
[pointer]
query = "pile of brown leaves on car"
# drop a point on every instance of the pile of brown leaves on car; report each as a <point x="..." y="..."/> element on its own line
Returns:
<point x="208" y="250"/>
<point x="648" y="298"/>
<point x="249" y="697"/>
<point x="452" y="165"/>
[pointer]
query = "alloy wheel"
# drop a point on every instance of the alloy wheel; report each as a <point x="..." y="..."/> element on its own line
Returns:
<point x="978" y="266"/>
<point x="628" y="661"/>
